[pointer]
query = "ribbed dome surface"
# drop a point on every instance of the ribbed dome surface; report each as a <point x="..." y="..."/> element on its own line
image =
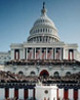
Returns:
<point x="44" y="20"/>
<point x="43" y="26"/>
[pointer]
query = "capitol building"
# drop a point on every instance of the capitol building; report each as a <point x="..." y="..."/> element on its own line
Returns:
<point x="45" y="58"/>
<point x="43" y="53"/>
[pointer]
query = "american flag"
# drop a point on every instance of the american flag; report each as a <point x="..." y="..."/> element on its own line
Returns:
<point x="44" y="54"/>
<point x="30" y="54"/>
<point x="16" y="54"/>
<point x="70" y="93"/>
<point x="49" y="55"/>
<point x="58" y="53"/>
<point x="38" y="54"/>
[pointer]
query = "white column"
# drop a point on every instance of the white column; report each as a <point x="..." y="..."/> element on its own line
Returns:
<point x="78" y="94"/>
<point x="46" y="52"/>
<point x="61" y="93"/>
<point x="48" y="38"/>
<point x="70" y="94"/>
<point x="12" y="54"/>
<point x="39" y="38"/>
<point x="52" y="54"/>
<point x="24" y="53"/>
<point x="2" y="93"/>
<point x="55" y="54"/>
<point x="66" y="53"/>
<point x="35" y="53"/>
<point x="45" y="39"/>
<point x="11" y="92"/>
<point x="21" y="93"/>
<point x="32" y="53"/>
<point x="21" y="54"/>
<point x="75" y="53"/>
<point x="30" y="93"/>
<point x="40" y="53"/>
<point x="36" y="39"/>
<point x="60" y="53"/>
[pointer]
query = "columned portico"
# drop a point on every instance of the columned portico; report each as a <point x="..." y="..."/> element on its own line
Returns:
<point x="43" y="48"/>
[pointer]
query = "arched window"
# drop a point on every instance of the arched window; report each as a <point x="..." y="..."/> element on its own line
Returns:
<point x="20" y="73"/>
<point x="41" y="21"/>
<point x="46" y="39"/>
<point x="38" y="30"/>
<point x="68" y="73"/>
<point x="56" y="74"/>
<point x="40" y="39"/>
<point x="41" y="30"/>
<point x="46" y="29"/>
<point x="32" y="73"/>
<point x="44" y="73"/>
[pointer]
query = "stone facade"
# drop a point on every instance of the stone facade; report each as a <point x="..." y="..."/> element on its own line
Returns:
<point x="42" y="45"/>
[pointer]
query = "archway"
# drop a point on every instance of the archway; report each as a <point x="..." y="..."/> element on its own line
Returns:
<point x="44" y="73"/>
<point x="68" y="73"/>
<point x="20" y="73"/>
<point x="32" y="73"/>
<point x="56" y="74"/>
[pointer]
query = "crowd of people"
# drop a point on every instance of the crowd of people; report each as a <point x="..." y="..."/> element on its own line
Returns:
<point x="42" y="62"/>
<point x="11" y="77"/>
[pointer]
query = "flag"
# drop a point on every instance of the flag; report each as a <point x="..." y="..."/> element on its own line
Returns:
<point x="16" y="54"/>
<point x="30" y="51"/>
<point x="44" y="54"/>
<point x="58" y="53"/>
<point x="38" y="54"/>
<point x="49" y="55"/>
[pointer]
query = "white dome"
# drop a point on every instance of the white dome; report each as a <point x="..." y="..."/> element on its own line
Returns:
<point x="43" y="26"/>
<point x="44" y="20"/>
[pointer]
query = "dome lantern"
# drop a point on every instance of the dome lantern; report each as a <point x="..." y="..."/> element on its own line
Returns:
<point x="43" y="11"/>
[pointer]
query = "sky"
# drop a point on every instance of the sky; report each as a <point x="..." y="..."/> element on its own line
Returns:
<point x="18" y="16"/>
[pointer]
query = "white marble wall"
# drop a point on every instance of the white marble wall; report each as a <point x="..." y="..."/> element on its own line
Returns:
<point x="51" y="92"/>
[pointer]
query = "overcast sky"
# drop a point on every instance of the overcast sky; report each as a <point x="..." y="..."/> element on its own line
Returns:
<point x="17" y="18"/>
